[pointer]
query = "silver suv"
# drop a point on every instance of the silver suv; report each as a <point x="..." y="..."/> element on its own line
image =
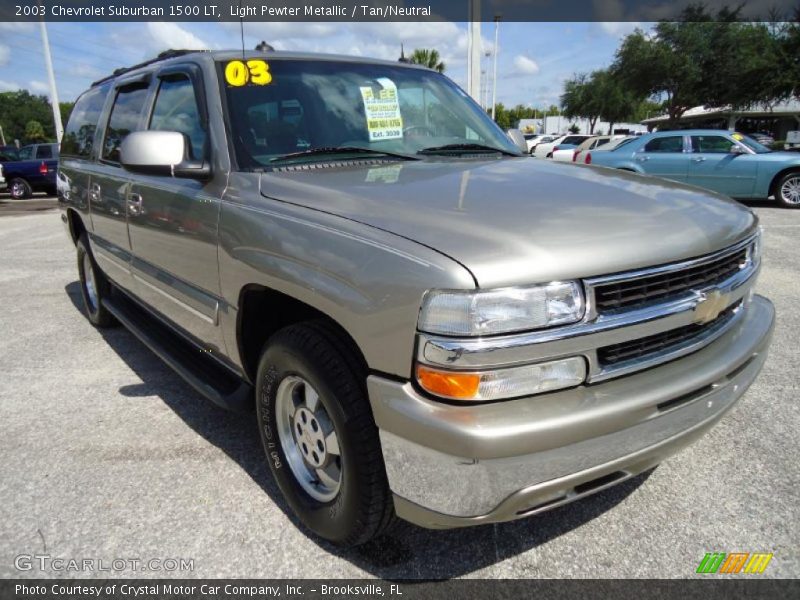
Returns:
<point x="428" y="324"/>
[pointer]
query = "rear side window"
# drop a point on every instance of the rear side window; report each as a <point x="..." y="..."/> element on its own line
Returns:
<point x="44" y="151"/>
<point x="123" y="120"/>
<point x="176" y="110"/>
<point x="79" y="136"/>
<point x="665" y="144"/>
<point x="574" y="139"/>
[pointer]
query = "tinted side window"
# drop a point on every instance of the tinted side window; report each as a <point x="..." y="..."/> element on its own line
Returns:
<point x="176" y="110"/>
<point x="44" y="151"/>
<point x="665" y="144"/>
<point x="123" y="120"/>
<point x="715" y="144"/>
<point x="79" y="135"/>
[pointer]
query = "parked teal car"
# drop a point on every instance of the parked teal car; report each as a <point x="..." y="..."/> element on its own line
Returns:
<point x="723" y="161"/>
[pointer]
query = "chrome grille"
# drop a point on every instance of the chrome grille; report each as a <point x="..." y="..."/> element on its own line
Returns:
<point x="649" y="346"/>
<point x="635" y="293"/>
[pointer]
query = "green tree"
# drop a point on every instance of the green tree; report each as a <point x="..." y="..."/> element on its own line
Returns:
<point x="65" y="108"/>
<point x="502" y="117"/>
<point x="427" y="58"/>
<point x="704" y="60"/>
<point x="20" y="107"/>
<point x="574" y="128"/>
<point x="580" y="99"/>
<point x="617" y="101"/>
<point x="601" y="95"/>
<point x="34" y="132"/>
<point x="790" y="54"/>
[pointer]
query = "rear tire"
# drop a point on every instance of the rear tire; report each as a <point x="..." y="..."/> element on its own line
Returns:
<point x="19" y="189"/>
<point x="94" y="286"/>
<point x="787" y="190"/>
<point x="319" y="435"/>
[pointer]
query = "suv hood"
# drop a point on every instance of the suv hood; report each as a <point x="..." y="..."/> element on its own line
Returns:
<point x="518" y="221"/>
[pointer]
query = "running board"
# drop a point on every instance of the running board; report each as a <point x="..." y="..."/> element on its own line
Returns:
<point x="217" y="383"/>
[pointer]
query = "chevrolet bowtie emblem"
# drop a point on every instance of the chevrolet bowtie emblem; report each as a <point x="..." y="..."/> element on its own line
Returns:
<point x="709" y="306"/>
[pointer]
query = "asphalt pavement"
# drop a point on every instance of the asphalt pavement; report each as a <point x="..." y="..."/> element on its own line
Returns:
<point x="106" y="454"/>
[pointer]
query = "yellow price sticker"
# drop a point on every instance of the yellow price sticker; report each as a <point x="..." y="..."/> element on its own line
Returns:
<point x="256" y="72"/>
<point x="737" y="136"/>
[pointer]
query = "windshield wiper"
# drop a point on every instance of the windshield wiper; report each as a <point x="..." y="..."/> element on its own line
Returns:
<point x="341" y="150"/>
<point x="466" y="148"/>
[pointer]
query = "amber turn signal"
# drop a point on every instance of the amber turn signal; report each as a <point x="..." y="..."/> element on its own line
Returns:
<point x="449" y="384"/>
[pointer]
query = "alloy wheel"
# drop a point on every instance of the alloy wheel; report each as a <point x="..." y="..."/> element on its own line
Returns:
<point x="89" y="283"/>
<point x="308" y="438"/>
<point x="790" y="190"/>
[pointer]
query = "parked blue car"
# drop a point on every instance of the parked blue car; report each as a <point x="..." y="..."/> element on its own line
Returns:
<point x="723" y="161"/>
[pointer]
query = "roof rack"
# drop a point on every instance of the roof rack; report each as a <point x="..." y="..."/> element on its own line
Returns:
<point x="161" y="56"/>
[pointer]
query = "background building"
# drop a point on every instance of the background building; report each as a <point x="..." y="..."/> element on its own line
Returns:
<point x="561" y="124"/>
<point x="776" y="120"/>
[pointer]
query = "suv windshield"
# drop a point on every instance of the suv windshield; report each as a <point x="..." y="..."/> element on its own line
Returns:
<point x="308" y="105"/>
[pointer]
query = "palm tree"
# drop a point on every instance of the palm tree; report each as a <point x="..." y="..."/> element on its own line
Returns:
<point x="427" y="58"/>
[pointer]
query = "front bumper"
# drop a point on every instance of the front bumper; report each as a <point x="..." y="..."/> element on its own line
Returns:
<point x="456" y="465"/>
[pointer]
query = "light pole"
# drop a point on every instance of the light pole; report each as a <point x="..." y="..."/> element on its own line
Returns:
<point x="474" y="50"/>
<point x="52" y="80"/>
<point x="494" y="68"/>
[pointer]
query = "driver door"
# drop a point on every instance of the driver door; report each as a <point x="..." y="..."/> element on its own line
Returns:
<point x="715" y="166"/>
<point x="172" y="221"/>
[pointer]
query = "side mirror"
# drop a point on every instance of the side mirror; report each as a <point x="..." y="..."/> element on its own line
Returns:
<point x="518" y="138"/>
<point x="160" y="153"/>
<point x="736" y="149"/>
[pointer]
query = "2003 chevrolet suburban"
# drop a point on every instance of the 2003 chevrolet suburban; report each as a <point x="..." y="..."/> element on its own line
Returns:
<point x="430" y="325"/>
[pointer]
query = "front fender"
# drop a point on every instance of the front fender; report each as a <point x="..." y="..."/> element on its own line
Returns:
<point x="369" y="281"/>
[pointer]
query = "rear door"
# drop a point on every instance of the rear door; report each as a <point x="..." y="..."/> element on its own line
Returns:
<point x="664" y="156"/>
<point x="173" y="221"/>
<point x="109" y="186"/>
<point x="714" y="166"/>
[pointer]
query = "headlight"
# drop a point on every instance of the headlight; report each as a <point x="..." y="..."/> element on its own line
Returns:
<point x="478" y="312"/>
<point x="500" y="384"/>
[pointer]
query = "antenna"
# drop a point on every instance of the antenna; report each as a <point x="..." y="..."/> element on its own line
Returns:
<point x="241" y="26"/>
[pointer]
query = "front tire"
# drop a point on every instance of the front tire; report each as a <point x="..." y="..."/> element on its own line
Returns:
<point x="787" y="190"/>
<point x="94" y="286"/>
<point x="319" y="435"/>
<point x="19" y="189"/>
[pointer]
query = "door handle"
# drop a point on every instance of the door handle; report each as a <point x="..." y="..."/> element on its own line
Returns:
<point x="94" y="193"/>
<point x="642" y="158"/>
<point x="699" y="159"/>
<point x="135" y="204"/>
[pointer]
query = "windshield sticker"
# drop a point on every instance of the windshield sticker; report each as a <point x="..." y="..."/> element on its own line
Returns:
<point x="387" y="174"/>
<point x="737" y="136"/>
<point x="382" y="111"/>
<point x="254" y="72"/>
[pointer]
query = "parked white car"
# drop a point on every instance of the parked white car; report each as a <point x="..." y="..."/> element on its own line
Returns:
<point x="534" y="139"/>
<point x="569" y="154"/>
<point x="2" y="180"/>
<point x="545" y="150"/>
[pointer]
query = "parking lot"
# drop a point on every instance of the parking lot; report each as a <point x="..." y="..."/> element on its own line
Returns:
<point x="108" y="454"/>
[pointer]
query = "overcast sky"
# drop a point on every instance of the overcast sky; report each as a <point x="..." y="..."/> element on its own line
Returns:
<point x="534" y="58"/>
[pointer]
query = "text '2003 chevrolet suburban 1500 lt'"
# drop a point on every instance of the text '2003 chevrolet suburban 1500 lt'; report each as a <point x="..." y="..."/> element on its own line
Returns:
<point x="428" y="324"/>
